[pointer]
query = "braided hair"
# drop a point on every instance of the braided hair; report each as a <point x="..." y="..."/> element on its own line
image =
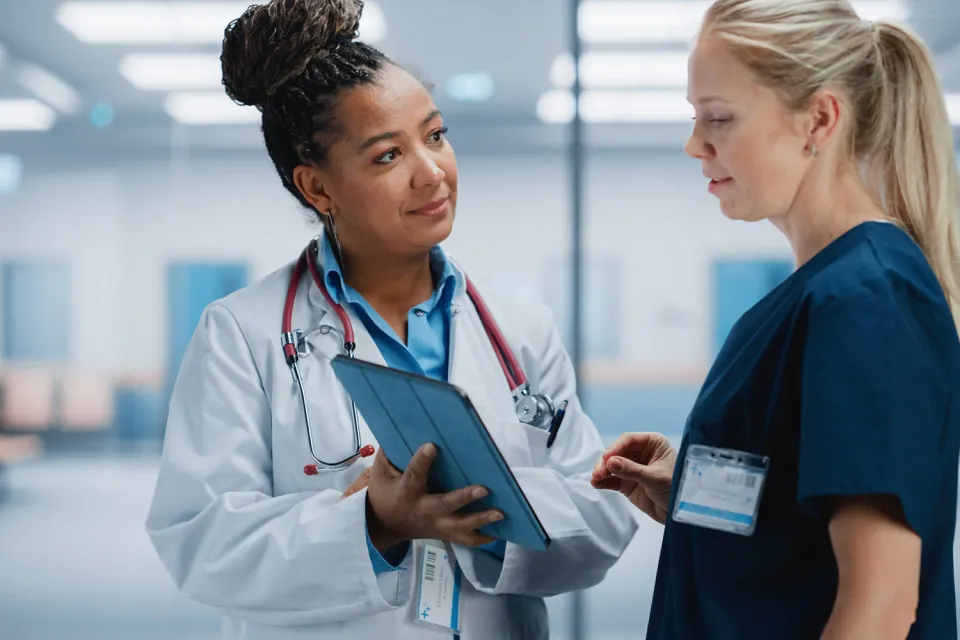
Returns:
<point x="293" y="59"/>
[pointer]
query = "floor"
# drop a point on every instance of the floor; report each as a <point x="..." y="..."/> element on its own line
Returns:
<point x="77" y="565"/>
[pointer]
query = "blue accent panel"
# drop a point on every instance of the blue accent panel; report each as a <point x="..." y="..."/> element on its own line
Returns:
<point x="719" y="514"/>
<point x="139" y="413"/>
<point x="740" y="284"/>
<point x="190" y="288"/>
<point x="36" y="310"/>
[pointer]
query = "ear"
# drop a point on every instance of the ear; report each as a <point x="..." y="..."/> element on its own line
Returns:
<point x="310" y="182"/>
<point x="823" y="118"/>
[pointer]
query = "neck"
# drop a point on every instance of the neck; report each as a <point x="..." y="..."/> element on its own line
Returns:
<point x="392" y="286"/>
<point x="826" y="208"/>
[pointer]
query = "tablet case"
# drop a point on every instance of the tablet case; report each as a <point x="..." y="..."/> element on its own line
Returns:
<point x="405" y="411"/>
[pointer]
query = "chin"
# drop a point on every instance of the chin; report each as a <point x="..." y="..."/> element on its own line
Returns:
<point x="436" y="232"/>
<point x="731" y="211"/>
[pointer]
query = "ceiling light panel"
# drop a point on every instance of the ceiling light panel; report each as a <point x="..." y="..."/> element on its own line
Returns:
<point x="660" y="21"/>
<point x="26" y="115"/>
<point x="172" y="71"/>
<point x="172" y="22"/>
<point x="209" y="108"/>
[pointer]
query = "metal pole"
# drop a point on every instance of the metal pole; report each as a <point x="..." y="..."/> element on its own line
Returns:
<point x="578" y="611"/>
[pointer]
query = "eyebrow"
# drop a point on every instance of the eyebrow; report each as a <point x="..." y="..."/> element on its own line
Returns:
<point x="706" y="99"/>
<point x="389" y="135"/>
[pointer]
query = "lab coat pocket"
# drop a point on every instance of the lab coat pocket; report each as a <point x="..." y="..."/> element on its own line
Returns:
<point x="526" y="446"/>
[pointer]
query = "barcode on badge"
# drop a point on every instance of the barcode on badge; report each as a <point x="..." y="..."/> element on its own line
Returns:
<point x="430" y="567"/>
<point x="748" y="480"/>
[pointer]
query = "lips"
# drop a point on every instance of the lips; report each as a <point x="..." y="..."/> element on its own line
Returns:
<point x="434" y="208"/>
<point x="716" y="184"/>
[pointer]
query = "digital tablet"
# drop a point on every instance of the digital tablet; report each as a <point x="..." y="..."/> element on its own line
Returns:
<point x="405" y="411"/>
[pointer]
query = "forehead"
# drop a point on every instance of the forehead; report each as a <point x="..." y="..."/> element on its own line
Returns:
<point x="714" y="71"/>
<point x="395" y="102"/>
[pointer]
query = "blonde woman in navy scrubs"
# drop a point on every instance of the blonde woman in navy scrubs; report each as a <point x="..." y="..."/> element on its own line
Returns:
<point x="814" y="494"/>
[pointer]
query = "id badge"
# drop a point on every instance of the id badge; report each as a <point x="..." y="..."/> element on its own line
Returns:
<point x="438" y="603"/>
<point x="720" y="489"/>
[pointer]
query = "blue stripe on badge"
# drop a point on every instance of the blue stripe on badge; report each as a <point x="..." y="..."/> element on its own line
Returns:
<point x="455" y="600"/>
<point x="719" y="514"/>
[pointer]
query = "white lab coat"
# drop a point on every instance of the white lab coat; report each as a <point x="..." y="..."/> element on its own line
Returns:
<point x="239" y="526"/>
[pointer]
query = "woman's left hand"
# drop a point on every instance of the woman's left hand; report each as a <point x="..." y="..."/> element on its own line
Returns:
<point x="358" y="484"/>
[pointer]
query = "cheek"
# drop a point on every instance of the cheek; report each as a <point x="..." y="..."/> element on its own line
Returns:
<point x="448" y="163"/>
<point x="374" y="199"/>
<point x="766" y="174"/>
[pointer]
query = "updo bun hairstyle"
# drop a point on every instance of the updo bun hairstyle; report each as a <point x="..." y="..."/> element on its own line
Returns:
<point x="292" y="60"/>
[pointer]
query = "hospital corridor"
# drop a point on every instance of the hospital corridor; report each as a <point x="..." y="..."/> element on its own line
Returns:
<point x="149" y="234"/>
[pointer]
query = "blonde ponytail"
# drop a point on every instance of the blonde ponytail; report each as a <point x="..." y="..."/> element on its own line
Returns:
<point x="915" y="157"/>
<point x="900" y="128"/>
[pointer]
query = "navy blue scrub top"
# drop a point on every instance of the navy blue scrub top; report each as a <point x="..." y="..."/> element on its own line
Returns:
<point x="848" y="377"/>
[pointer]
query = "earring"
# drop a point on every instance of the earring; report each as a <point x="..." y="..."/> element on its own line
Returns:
<point x="813" y="150"/>
<point x="336" y="239"/>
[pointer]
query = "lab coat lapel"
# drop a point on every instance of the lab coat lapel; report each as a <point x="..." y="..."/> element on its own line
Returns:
<point x="475" y="369"/>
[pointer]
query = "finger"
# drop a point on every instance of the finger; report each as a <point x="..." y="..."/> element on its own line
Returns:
<point x="360" y="483"/>
<point x="628" y="442"/>
<point x="471" y="522"/>
<point x="608" y="484"/>
<point x="383" y="467"/>
<point x="630" y="470"/>
<point x="470" y="538"/>
<point x="600" y="470"/>
<point x="448" y="503"/>
<point x="415" y="476"/>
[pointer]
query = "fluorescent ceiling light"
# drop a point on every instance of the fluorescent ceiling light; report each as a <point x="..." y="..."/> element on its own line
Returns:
<point x="172" y="71"/>
<point x="48" y="87"/>
<point x="26" y="115"/>
<point x="470" y="87"/>
<point x="208" y="108"/>
<point x="606" y="21"/>
<point x="173" y="22"/>
<point x="622" y="69"/>
<point x="556" y="107"/>
<point x="653" y="107"/>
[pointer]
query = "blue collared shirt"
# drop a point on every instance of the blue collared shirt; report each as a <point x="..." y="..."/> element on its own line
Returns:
<point x="426" y="351"/>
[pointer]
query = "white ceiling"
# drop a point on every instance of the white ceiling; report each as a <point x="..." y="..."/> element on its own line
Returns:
<point x="515" y="41"/>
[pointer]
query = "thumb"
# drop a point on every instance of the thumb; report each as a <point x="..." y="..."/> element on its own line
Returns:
<point x="630" y="470"/>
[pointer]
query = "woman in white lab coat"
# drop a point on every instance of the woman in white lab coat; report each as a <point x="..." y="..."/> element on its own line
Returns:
<point x="235" y="519"/>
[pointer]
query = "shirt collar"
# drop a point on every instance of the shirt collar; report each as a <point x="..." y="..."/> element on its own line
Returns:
<point x="448" y="278"/>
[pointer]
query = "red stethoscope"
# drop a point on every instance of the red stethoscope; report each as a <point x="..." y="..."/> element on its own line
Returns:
<point x="536" y="410"/>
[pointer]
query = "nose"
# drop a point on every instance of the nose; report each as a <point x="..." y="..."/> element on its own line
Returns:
<point x="428" y="172"/>
<point x="698" y="148"/>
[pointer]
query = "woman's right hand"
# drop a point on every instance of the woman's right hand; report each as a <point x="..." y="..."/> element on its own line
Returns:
<point x="640" y="466"/>
<point x="400" y="509"/>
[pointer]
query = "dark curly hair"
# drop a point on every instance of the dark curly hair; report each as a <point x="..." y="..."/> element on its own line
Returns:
<point x="293" y="59"/>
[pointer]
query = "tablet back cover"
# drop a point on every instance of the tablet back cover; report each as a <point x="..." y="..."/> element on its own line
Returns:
<point x="405" y="411"/>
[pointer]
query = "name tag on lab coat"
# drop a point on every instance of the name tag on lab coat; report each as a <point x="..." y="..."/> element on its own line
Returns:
<point x="439" y="587"/>
<point x="720" y="489"/>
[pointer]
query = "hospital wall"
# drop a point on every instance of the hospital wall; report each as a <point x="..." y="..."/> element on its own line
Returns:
<point x="652" y="236"/>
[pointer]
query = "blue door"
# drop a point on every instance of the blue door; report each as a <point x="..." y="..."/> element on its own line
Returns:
<point x="737" y="286"/>
<point x="36" y="311"/>
<point x="190" y="288"/>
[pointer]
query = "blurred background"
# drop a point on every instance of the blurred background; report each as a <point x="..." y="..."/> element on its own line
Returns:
<point x="133" y="193"/>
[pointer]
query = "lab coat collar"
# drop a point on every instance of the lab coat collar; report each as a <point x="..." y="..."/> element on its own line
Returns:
<point x="450" y="272"/>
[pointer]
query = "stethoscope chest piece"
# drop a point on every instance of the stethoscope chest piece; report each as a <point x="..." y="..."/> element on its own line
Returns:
<point x="534" y="409"/>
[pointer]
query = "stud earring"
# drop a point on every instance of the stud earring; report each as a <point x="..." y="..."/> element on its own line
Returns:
<point x="813" y="151"/>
